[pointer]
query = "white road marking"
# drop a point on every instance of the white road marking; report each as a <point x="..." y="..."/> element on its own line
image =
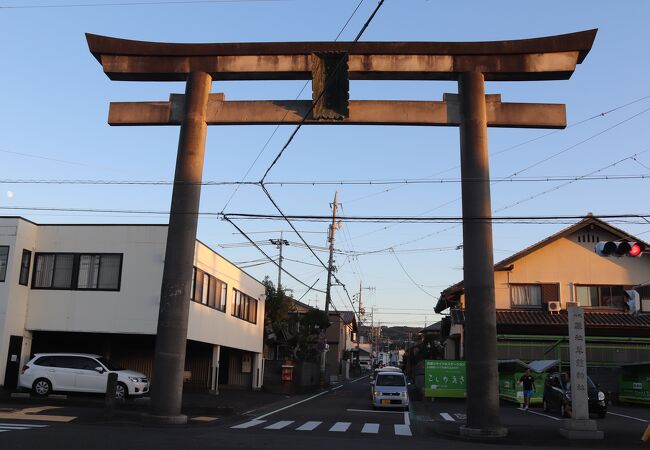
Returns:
<point x="340" y="427"/>
<point x="249" y="424"/>
<point x="539" y="414"/>
<point x="308" y="426"/>
<point x="20" y="425"/>
<point x="403" y="430"/>
<point x="360" y="378"/>
<point x="294" y="404"/>
<point x="628" y="417"/>
<point x="337" y="387"/>
<point x="372" y="428"/>
<point x="374" y="411"/>
<point x="447" y="417"/>
<point x="279" y="425"/>
<point x="407" y="419"/>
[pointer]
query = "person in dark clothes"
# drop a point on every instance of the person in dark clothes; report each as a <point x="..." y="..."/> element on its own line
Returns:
<point x="528" y="383"/>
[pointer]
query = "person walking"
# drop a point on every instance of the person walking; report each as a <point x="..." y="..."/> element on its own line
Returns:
<point x="528" y="383"/>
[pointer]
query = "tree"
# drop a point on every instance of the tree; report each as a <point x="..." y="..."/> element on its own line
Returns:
<point x="278" y="307"/>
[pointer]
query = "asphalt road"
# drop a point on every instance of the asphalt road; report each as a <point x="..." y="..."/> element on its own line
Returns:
<point x="340" y="418"/>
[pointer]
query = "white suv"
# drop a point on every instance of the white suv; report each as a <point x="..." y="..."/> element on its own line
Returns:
<point x="78" y="372"/>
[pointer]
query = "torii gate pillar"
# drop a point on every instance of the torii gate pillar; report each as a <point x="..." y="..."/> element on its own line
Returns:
<point x="478" y="263"/>
<point x="171" y="340"/>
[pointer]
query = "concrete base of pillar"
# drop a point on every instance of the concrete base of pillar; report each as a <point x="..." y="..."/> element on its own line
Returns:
<point x="180" y="419"/>
<point x="581" y="429"/>
<point x="483" y="433"/>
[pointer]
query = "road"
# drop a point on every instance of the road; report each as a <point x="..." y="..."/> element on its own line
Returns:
<point x="337" y="419"/>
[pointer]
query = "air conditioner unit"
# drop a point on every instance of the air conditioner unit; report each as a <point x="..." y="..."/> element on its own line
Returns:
<point x="554" y="307"/>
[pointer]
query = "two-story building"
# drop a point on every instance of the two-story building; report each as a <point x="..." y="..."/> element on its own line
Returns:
<point x="96" y="289"/>
<point x="534" y="286"/>
<point x="341" y="337"/>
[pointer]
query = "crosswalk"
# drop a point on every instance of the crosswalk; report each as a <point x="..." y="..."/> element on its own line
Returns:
<point x="5" y="427"/>
<point x="336" y="427"/>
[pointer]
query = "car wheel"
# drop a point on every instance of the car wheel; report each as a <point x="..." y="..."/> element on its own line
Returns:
<point x="121" y="391"/>
<point x="545" y="406"/>
<point x="42" y="387"/>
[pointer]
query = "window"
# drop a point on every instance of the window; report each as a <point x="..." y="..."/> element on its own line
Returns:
<point x="208" y="290"/>
<point x="24" y="268"/>
<point x="4" y="257"/>
<point x="101" y="272"/>
<point x="244" y="306"/>
<point x="601" y="296"/>
<point x="526" y="295"/>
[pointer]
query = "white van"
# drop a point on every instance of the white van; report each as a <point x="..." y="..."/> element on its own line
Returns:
<point x="78" y="372"/>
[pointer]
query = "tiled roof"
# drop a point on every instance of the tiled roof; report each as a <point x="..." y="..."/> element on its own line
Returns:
<point x="544" y="318"/>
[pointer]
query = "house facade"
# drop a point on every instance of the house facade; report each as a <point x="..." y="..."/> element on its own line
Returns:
<point x="96" y="289"/>
<point x="341" y="337"/>
<point x="533" y="288"/>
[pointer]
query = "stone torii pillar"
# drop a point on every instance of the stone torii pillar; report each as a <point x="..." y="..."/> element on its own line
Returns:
<point x="330" y="66"/>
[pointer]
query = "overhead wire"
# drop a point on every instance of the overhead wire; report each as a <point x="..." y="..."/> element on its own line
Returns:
<point x="275" y="130"/>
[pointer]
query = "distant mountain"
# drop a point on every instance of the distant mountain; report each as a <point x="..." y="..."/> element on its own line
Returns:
<point x="400" y="333"/>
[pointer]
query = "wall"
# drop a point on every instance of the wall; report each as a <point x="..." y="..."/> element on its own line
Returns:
<point x="18" y="235"/>
<point x="567" y="261"/>
<point x="131" y="310"/>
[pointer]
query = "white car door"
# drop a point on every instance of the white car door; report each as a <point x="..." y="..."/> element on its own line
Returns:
<point x="87" y="378"/>
<point x="61" y="373"/>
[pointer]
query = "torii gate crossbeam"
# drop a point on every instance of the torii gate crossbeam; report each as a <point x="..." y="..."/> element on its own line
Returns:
<point x="330" y="66"/>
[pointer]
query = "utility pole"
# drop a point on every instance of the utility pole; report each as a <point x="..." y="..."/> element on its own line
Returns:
<point x="330" y="269"/>
<point x="330" y="264"/>
<point x="279" y="243"/>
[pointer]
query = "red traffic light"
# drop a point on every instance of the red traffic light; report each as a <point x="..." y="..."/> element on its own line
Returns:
<point x="635" y="249"/>
<point x="619" y="248"/>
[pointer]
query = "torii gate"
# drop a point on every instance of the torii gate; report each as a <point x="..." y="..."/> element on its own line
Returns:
<point x="330" y="66"/>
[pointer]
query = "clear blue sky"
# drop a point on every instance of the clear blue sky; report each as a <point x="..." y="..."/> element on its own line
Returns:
<point x="54" y="105"/>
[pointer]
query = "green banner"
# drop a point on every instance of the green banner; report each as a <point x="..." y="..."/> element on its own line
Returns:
<point x="510" y="389"/>
<point x="634" y="386"/>
<point x="443" y="378"/>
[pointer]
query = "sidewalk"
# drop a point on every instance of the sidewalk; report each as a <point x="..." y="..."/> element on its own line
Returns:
<point x="195" y="403"/>
<point x="444" y="417"/>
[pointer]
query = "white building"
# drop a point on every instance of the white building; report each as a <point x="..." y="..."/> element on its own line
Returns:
<point x="96" y="289"/>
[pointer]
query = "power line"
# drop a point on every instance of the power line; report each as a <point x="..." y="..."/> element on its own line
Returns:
<point x="412" y="181"/>
<point x="320" y="95"/>
<point x="275" y="130"/>
<point x="521" y="144"/>
<point x="144" y="3"/>
<point x="411" y="278"/>
<point x="269" y="258"/>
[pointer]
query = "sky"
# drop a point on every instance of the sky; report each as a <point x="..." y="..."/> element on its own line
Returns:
<point x="53" y="126"/>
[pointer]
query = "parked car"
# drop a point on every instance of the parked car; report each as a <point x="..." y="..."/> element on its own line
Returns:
<point x="78" y="372"/>
<point x="557" y="396"/>
<point x="364" y="365"/>
<point x="390" y="390"/>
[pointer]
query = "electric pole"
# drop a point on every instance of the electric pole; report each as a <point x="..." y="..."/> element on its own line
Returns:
<point x="330" y="269"/>
<point x="330" y="264"/>
<point x="279" y="243"/>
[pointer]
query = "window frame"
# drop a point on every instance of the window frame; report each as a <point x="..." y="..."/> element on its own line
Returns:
<point x="3" y="274"/>
<point x="23" y="276"/>
<point x="600" y="296"/>
<point x="210" y="291"/>
<point x="74" y="278"/>
<point x="513" y="305"/>
<point x="241" y="306"/>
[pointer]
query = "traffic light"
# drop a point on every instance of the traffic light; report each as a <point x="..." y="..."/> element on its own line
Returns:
<point x="619" y="248"/>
